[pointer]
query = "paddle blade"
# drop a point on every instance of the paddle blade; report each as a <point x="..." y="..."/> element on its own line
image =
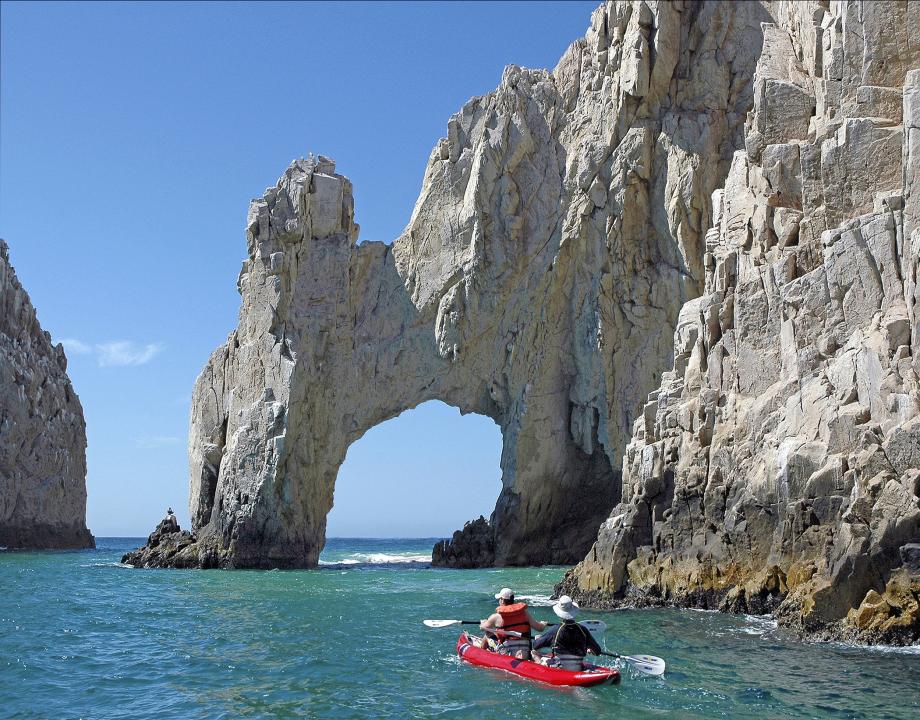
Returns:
<point x="441" y="623"/>
<point x="593" y="626"/>
<point x="646" y="664"/>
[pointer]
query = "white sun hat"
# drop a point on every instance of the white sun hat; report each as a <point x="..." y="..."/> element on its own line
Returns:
<point x="566" y="608"/>
<point x="504" y="594"/>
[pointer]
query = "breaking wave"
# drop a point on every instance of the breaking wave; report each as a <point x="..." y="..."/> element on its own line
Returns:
<point x="537" y="600"/>
<point x="377" y="559"/>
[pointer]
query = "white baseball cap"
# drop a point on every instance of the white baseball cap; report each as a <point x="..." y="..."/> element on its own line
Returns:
<point x="504" y="594"/>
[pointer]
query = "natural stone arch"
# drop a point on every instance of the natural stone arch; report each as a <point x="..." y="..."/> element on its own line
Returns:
<point x="330" y="345"/>
<point x="558" y="232"/>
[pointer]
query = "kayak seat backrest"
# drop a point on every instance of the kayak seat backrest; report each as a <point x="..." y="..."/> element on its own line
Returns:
<point x="509" y="647"/>
<point x="569" y="662"/>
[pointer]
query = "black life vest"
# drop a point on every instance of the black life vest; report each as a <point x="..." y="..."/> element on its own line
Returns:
<point x="571" y="639"/>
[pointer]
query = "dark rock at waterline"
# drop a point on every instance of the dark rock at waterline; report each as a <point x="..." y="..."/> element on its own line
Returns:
<point x="473" y="546"/>
<point x="43" y="536"/>
<point x="167" y="546"/>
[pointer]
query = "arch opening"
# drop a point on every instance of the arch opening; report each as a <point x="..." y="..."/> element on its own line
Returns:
<point x="421" y="474"/>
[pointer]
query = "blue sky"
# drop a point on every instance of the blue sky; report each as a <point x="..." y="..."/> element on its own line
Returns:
<point x="132" y="137"/>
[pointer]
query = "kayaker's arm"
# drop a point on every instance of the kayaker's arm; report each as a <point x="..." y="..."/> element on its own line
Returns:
<point x="491" y="622"/>
<point x="593" y="646"/>
<point x="536" y="624"/>
<point x="543" y="640"/>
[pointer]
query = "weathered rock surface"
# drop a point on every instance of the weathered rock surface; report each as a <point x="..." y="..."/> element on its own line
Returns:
<point x="42" y="432"/>
<point x="559" y="230"/>
<point x="471" y="547"/>
<point x="777" y="466"/>
<point x="167" y="544"/>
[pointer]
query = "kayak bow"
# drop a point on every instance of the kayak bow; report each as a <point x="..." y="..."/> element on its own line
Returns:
<point x="591" y="676"/>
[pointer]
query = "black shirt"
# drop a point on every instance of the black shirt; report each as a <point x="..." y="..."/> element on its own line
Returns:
<point x="570" y="638"/>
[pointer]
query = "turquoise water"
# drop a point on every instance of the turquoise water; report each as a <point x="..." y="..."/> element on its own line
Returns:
<point x="81" y="637"/>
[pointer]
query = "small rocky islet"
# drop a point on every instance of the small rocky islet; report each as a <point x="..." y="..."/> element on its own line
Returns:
<point x="680" y="272"/>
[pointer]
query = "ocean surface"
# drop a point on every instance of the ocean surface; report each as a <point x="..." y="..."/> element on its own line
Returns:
<point x="83" y="637"/>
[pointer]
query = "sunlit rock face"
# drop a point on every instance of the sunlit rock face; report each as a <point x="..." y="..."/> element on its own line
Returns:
<point x="777" y="466"/>
<point x="42" y="432"/>
<point x="559" y="230"/>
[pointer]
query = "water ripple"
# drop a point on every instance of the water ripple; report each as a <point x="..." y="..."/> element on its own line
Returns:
<point x="80" y="636"/>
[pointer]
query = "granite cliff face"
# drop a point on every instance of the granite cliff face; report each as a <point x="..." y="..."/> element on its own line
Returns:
<point x="777" y="466"/>
<point x="559" y="230"/>
<point x="42" y="432"/>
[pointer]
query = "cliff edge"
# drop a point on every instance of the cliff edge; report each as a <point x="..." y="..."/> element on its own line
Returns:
<point x="42" y="431"/>
<point x="776" y="469"/>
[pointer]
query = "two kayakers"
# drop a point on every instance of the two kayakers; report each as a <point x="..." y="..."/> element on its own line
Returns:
<point x="569" y="642"/>
<point x="510" y="616"/>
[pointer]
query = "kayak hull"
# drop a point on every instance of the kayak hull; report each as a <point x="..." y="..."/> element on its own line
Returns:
<point x="468" y="651"/>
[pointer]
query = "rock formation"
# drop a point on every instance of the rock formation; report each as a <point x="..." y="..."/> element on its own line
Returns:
<point x="165" y="545"/>
<point x="777" y="466"/>
<point x="42" y="432"/>
<point x="559" y="230"/>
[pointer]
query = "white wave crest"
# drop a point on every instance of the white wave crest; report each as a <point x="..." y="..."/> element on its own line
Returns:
<point x="881" y="649"/>
<point x="385" y="558"/>
<point x="378" y="559"/>
<point x="759" y="624"/>
<point x="537" y="600"/>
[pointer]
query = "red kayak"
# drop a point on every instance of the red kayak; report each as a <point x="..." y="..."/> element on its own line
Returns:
<point x="592" y="675"/>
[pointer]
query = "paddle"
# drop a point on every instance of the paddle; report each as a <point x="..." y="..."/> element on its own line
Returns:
<point x="446" y="623"/>
<point x="645" y="664"/>
<point x="592" y="625"/>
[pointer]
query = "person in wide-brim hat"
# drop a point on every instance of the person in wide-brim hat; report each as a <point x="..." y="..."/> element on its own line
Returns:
<point x="569" y="642"/>
<point x="566" y="608"/>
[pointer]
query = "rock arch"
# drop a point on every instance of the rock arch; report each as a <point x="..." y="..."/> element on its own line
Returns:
<point x="332" y="342"/>
<point x="558" y="232"/>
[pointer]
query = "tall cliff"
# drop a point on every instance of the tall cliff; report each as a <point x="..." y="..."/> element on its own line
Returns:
<point x="42" y="432"/>
<point x="777" y="466"/>
<point x="559" y="230"/>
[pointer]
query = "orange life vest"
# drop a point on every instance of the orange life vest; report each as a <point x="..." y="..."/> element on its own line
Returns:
<point x="515" y="618"/>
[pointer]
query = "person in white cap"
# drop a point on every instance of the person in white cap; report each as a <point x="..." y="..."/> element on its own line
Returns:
<point x="569" y="642"/>
<point x="510" y="616"/>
